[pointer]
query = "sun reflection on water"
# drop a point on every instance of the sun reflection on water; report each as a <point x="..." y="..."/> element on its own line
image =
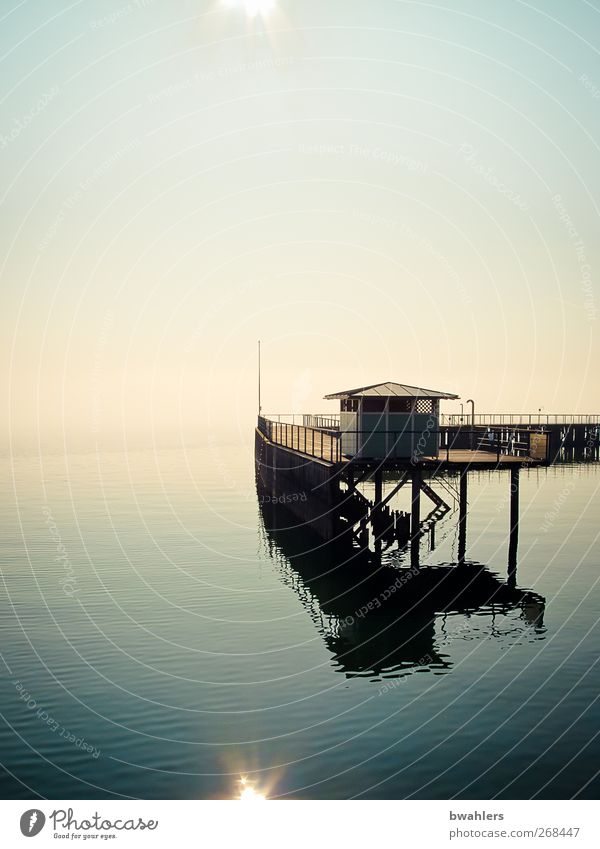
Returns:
<point x="248" y="793"/>
<point x="253" y="8"/>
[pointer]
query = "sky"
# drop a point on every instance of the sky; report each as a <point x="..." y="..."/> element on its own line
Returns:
<point x="377" y="190"/>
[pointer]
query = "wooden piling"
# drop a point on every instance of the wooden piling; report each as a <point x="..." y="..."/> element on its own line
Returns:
<point x="514" y="526"/>
<point x="376" y="523"/>
<point x="415" y="517"/>
<point x="462" y="517"/>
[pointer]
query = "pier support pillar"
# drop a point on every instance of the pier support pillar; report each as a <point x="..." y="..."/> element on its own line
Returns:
<point x="376" y="523"/>
<point x="415" y="517"/>
<point x="378" y="488"/>
<point x="462" y="517"/>
<point x="514" y="526"/>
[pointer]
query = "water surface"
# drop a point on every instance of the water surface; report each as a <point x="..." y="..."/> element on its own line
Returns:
<point x="158" y="640"/>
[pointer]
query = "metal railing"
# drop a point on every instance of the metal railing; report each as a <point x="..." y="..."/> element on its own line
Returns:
<point x="323" y="444"/>
<point x="523" y="419"/>
<point x="332" y="420"/>
<point x="321" y="422"/>
<point x="333" y="445"/>
<point x="300" y="418"/>
<point x="513" y="442"/>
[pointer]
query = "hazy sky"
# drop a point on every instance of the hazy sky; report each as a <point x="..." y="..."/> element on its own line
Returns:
<point x="379" y="190"/>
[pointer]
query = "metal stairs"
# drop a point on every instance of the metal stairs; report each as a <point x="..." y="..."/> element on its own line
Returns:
<point x="439" y="510"/>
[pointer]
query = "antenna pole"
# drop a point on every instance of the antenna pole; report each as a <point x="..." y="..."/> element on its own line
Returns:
<point x="259" y="407"/>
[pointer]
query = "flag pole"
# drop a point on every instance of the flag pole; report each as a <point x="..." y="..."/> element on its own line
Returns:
<point x="259" y="406"/>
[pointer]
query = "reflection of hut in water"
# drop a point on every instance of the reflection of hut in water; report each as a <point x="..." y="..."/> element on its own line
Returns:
<point x="379" y="620"/>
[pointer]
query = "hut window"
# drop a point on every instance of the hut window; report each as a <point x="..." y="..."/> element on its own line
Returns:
<point x="373" y="405"/>
<point x="349" y="405"/>
<point x="401" y="405"/>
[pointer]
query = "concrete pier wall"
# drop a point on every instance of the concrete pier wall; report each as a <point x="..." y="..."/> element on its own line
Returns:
<point x="307" y="487"/>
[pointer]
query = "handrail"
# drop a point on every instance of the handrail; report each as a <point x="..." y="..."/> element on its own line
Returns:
<point x="529" y="419"/>
<point x="297" y="418"/>
<point x="321" y="443"/>
<point x="456" y="419"/>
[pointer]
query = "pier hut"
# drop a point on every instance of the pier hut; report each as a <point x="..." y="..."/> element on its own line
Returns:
<point x="391" y="420"/>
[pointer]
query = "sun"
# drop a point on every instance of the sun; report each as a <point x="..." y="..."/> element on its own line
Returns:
<point x="253" y="8"/>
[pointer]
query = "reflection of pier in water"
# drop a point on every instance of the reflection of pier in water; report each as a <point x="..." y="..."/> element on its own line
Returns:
<point x="379" y="619"/>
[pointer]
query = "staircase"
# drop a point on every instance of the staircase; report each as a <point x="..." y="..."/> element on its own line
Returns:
<point x="439" y="511"/>
<point x="388" y="525"/>
<point x="449" y="487"/>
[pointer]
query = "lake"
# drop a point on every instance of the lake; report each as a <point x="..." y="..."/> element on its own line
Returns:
<point x="160" y="638"/>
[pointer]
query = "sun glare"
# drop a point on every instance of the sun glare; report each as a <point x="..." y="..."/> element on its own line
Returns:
<point x="249" y="794"/>
<point x="253" y="8"/>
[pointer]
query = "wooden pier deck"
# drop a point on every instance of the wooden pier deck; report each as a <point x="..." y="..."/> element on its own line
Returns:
<point x="453" y="459"/>
<point x="460" y="457"/>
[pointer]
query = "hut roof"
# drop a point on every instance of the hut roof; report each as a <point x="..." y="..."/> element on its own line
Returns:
<point x="391" y="390"/>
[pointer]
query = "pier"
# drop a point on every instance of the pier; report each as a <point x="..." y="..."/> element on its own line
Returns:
<point x="393" y="435"/>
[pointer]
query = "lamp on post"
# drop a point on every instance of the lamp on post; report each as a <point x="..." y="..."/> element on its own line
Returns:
<point x="472" y="403"/>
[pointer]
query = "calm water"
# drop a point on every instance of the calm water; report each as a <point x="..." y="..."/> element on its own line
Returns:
<point x="159" y="641"/>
